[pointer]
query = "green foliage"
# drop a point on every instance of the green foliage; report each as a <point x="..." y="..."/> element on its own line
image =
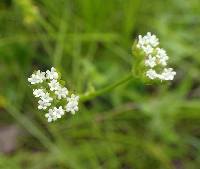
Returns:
<point x="135" y="126"/>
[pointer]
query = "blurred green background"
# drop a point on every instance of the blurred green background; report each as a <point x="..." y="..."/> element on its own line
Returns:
<point x="136" y="126"/>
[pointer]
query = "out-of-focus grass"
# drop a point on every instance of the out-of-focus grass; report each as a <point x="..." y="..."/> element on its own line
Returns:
<point x="135" y="126"/>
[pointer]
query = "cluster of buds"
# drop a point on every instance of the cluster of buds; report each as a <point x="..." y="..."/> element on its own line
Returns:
<point x="53" y="96"/>
<point x="156" y="58"/>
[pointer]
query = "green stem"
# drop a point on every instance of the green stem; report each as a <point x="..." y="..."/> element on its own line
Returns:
<point x="106" y="89"/>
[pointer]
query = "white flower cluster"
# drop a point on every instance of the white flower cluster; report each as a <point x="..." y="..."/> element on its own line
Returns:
<point x="45" y="99"/>
<point x="37" y="77"/>
<point x="72" y="105"/>
<point x="156" y="58"/>
<point x="53" y="95"/>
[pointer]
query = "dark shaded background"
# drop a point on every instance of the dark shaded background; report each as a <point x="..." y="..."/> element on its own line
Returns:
<point x="135" y="126"/>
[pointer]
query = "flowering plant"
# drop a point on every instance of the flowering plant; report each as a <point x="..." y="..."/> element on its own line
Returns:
<point x="54" y="98"/>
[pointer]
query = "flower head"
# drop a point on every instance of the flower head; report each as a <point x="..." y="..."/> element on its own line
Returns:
<point x="156" y="58"/>
<point x="52" y="95"/>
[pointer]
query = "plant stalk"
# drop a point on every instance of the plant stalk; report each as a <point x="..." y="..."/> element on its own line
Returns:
<point x="106" y="89"/>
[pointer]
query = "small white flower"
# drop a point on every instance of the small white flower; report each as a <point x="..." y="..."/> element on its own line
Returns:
<point x="151" y="74"/>
<point x="141" y="41"/>
<point x="46" y="98"/>
<point x="167" y="74"/>
<point x="45" y="101"/>
<point x="59" y="111"/>
<point x="162" y="56"/>
<point x="147" y="49"/>
<point x="51" y="115"/>
<point x="33" y="79"/>
<point x="41" y="75"/>
<point x="72" y="105"/>
<point x="151" y="39"/>
<point x="61" y="92"/>
<point x="43" y="104"/>
<point x="150" y="61"/>
<point x="38" y="92"/>
<point x="54" y="114"/>
<point x="52" y="74"/>
<point x="54" y="85"/>
<point x="37" y="77"/>
<point x="147" y="40"/>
